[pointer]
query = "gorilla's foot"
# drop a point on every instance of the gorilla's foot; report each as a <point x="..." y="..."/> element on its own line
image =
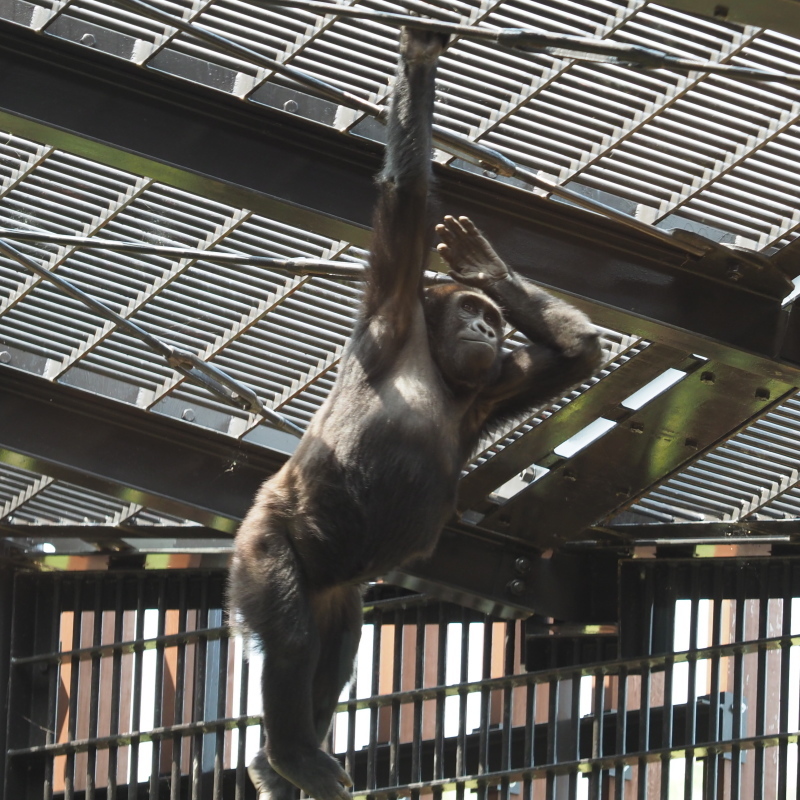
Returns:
<point x="269" y="785"/>
<point x="319" y="775"/>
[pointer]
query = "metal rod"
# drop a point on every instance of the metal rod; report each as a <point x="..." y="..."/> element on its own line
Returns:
<point x="576" y="47"/>
<point x="456" y="145"/>
<point x="322" y="267"/>
<point x="167" y="640"/>
<point x="187" y="364"/>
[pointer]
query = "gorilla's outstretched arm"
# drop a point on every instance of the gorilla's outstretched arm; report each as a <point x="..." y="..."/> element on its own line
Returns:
<point x="402" y="233"/>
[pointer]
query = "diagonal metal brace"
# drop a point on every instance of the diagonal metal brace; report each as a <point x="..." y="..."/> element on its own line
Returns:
<point x="207" y="376"/>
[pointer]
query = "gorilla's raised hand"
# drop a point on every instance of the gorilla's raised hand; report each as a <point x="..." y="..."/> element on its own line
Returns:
<point x="470" y="257"/>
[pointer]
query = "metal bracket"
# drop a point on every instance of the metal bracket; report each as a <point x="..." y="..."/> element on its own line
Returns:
<point x="746" y="268"/>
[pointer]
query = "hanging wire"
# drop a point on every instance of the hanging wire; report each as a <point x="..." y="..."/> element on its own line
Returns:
<point x="347" y="270"/>
<point x="455" y="144"/>
<point x="187" y="364"/>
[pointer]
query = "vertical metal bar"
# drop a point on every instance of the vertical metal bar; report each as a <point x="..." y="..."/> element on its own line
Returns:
<point x="644" y="732"/>
<point x="738" y="689"/>
<point x="372" y="750"/>
<point x="486" y="708"/>
<point x="350" y="756"/>
<point x="116" y="680"/>
<point x="646" y="648"/>
<point x="7" y="574"/>
<point x="669" y="599"/>
<point x="241" y="767"/>
<point x="136" y="705"/>
<point x="53" y="682"/>
<point x="762" y="678"/>
<point x="463" y="696"/>
<point x="94" y="699"/>
<point x="74" y="677"/>
<point x="691" y="694"/>
<point x="419" y="681"/>
<point x="596" y="778"/>
<point x="441" y="677"/>
<point x="180" y="695"/>
<point x="199" y="711"/>
<point x="712" y="761"/>
<point x="622" y="732"/>
<point x="552" y="742"/>
<point x="574" y="727"/>
<point x="505" y="743"/>
<point x="158" y="696"/>
<point x="786" y="629"/>
<point x="530" y="737"/>
<point x="394" y="722"/>
<point x="222" y="702"/>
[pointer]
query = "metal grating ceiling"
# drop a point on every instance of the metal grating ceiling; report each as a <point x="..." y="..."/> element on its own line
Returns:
<point x="703" y="153"/>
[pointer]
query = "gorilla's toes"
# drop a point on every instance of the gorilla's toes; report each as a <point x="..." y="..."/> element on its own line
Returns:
<point x="319" y="775"/>
<point x="269" y="785"/>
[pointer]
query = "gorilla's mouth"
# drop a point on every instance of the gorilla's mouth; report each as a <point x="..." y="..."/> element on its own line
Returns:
<point x="477" y="341"/>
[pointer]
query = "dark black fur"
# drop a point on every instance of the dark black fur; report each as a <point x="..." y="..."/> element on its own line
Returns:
<point x="374" y="478"/>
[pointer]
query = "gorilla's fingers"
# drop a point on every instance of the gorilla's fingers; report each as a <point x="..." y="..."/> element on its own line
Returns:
<point x="445" y="233"/>
<point x="469" y="226"/>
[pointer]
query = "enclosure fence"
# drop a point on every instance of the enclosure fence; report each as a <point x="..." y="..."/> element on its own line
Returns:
<point x="129" y="684"/>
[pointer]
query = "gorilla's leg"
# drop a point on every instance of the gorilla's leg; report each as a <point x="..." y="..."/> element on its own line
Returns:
<point x="339" y="613"/>
<point x="287" y="685"/>
<point x="269" y="588"/>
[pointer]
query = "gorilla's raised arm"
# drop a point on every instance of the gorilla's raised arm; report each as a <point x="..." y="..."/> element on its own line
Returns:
<point x="401" y="239"/>
<point x="564" y="347"/>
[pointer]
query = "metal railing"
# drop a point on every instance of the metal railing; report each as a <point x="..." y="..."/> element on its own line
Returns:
<point x="132" y="679"/>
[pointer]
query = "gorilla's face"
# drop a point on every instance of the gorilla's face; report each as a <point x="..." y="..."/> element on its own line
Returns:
<point x="466" y="329"/>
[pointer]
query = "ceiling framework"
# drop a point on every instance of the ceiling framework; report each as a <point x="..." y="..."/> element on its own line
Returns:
<point x="120" y="129"/>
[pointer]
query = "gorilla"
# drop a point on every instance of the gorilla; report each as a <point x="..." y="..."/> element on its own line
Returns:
<point x="373" y="479"/>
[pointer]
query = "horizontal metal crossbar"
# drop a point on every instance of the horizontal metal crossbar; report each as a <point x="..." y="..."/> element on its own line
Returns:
<point x="132" y="646"/>
<point x="575" y="47"/>
<point x="630" y="666"/>
<point x="588" y="765"/>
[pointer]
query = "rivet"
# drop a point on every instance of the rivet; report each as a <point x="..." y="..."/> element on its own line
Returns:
<point x="708" y="377"/>
<point x="188" y="415"/>
<point x="762" y="394"/>
<point x="290" y="106"/>
<point x="522" y="565"/>
<point x="569" y="475"/>
<point x="5" y="357"/>
<point x="516" y="587"/>
<point x="637" y="427"/>
<point x="693" y="443"/>
<point x="733" y="274"/>
<point x="88" y="40"/>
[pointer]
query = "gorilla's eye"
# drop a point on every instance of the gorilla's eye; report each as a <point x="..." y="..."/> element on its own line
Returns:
<point x="493" y="319"/>
<point x="469" y="306"/>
